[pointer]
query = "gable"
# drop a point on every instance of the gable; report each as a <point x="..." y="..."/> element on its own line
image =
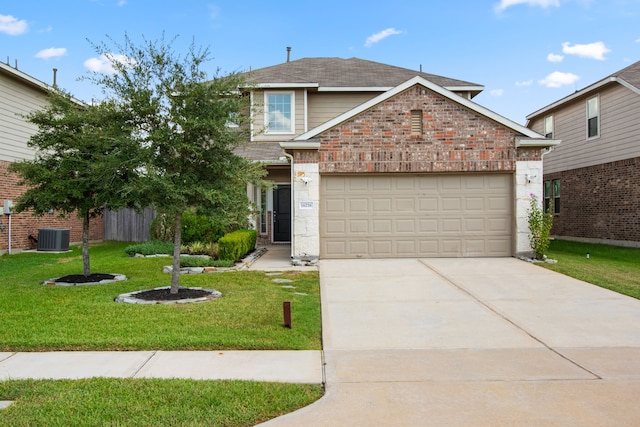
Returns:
<point x="453" y="138"/>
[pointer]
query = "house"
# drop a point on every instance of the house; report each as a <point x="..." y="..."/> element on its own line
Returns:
<point x="372" y="160"/>
<point x="593" y="176"/>
<point x="21" y="94"/>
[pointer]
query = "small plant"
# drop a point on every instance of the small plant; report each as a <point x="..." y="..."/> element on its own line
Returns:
<point x="211" y="249"/>
<point x="197" y="248"/>
<point x="193" y="261"/>
<point x="540" y="223"/>
<point x="152" y="247"/>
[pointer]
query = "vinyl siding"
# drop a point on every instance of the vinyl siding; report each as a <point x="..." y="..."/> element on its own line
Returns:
<point x="324" y="106"/>
<point x="619" y="131"/>
<point x="17" y="99"/>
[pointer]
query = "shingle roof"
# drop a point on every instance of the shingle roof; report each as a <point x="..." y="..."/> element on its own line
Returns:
<point x="352" y="72"/>
<point x="268" y="152"/>
<point x="631" y="74"/>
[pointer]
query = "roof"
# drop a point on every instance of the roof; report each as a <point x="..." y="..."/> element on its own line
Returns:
<point x="264" y="152"/>
<point x="529" y="137"/>
<point x="24" y="77"/>
<point x="628" y="77"/>
<point x="351" y="73"/>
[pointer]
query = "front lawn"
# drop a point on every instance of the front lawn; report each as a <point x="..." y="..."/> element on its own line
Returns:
<point x="248" y="316"/>
<point x="611" y="267"/>
<point x="149" y="402"/>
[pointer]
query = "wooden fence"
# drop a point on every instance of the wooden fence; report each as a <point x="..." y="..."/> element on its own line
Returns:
<point x="126" y="225"/>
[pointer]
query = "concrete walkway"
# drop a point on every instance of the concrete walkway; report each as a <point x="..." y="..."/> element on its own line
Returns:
<point x="472" y="342"/>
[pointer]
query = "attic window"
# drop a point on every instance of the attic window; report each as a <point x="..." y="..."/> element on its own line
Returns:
<point x="416" y="122"/>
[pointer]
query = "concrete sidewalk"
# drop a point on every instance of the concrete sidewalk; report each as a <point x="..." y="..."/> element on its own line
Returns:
<point x="472" y="342"/>
<point x="276" y="366"/>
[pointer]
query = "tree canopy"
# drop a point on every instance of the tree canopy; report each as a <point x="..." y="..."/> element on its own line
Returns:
<point x="187" y="126"/>
<point x="84" y="161"/>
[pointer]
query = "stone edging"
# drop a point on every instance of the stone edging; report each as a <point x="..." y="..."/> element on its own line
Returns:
<point x="131" y="299"/>
<point x="116" y="278"/>
<point x="243" y="264"/>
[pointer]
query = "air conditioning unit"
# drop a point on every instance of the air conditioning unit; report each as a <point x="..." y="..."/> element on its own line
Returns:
<point x="53" y="239"/>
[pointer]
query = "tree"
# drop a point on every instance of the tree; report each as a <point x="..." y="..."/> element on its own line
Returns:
<point x="188" y="126"/>
<point x="83" y="162"/>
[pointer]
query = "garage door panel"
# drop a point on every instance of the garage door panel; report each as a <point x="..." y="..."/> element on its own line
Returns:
<point x="416" y="215"/>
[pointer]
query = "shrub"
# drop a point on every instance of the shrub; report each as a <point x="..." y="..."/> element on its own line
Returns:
<point x="195" y="228"/>
<point x="540" y="224"/>
<point x="151" y="247"/>
<point x="233" y="246"/>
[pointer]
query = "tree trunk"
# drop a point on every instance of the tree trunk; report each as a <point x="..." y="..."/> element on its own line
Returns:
<point x="177" y="240"/>
<point x="85" y="244"/>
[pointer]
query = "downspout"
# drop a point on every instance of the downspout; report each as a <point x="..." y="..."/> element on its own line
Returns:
<point x="293" y="205"/>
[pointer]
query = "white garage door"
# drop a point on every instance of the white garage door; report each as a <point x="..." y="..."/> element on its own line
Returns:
<point x="377" y="216"/>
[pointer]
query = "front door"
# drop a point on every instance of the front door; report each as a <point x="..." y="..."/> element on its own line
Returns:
<point x="282" y="213"/>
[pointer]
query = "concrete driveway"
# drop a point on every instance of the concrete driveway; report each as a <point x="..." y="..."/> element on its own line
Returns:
<point x="472" y="342"/>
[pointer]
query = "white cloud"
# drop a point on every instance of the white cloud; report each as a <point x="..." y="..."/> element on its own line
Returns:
<point x="497" y="92"/>
<point x="52" y="52"/>
<point x="552" y="57"/>
<point x="12" y="26"/>
<point x="638" y="40"/>
<point x="504" y="4"/>
<point x="559" y="79"/>
<point x="375" y="38"/>
<point x="122" y="3"/>
<point x="214" y="11"/>
<point x="524" y="83"/>
<point x="104" y="64"/>
<point x="595" y="50"/>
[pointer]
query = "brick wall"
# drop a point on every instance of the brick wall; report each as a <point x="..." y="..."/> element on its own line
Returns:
<point x="599" y="202"/>
<point x="24" y="224"/>
<point x="454" y="139"/>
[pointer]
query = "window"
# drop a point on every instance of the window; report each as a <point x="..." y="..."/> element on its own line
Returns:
<point x="279" y="116"/>
<point x="263" y="211"/>
<point x="593" y="118"/>
<point x="548" y="127"/>
<point x="556" y="196"/>
<point x="552" y="192"/>
<point x="416" y="122"/>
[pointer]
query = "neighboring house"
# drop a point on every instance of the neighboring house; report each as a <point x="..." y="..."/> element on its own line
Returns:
<point x="593" y="176"/>
<point x="21" y="94"/>
<point x="372" y="160"/>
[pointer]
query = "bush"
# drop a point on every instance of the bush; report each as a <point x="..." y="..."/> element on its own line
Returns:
<point x="151" y="247"/>
<point x="233" y="246"/>
<point x="196" y="261"/>
<point x="540" y="224"/>
<point x="195" y="228"/>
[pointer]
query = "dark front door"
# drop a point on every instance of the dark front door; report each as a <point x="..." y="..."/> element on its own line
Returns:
<point x="282" y="213"/>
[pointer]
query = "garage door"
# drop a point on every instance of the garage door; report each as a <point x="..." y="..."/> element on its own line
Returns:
<point x="377" y="216"/>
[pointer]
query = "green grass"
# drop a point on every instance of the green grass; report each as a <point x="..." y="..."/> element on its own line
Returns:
<point x="149" y="402"/>
<point x="611" y="267"/>
<point x="248" y="316"/>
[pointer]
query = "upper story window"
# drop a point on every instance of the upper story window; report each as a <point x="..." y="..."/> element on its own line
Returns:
<point x="593" y="117"/>
<point x="279" y="112"/>
<point x="548" y="127"/>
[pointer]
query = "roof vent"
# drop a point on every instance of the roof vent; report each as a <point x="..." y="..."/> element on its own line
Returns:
<point x="288" y="53"/>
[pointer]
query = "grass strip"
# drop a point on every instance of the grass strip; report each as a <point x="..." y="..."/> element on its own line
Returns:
<point x="612" y="267"/>
<point x="149" y="402"/>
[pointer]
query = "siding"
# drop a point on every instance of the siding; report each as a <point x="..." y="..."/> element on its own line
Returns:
<point x="17" y="99"/>
<point x="325" y="106"/>
<point x="619" y="131"/>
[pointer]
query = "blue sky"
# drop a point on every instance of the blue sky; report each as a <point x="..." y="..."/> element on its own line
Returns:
<point x="526" y="53"/>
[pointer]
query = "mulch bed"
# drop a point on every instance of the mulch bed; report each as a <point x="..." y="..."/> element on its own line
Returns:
<point x="166" y="295"/>
<point x="81" y="278"/>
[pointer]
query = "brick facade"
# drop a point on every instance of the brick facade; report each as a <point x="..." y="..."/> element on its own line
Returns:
<point x="599" y="202"/>
<point x="453" y="139"/>
<point x="25" y="224"/>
